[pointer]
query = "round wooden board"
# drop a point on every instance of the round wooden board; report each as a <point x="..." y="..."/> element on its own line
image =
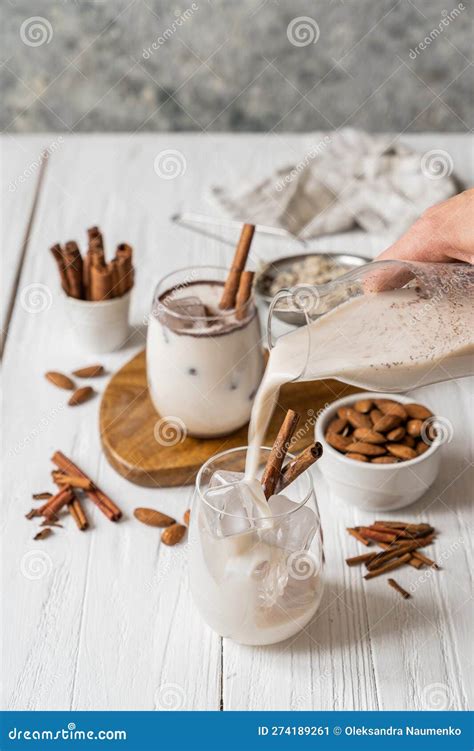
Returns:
<point x="128" y="420"/>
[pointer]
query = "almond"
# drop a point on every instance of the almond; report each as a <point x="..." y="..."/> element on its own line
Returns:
<point x="387" y="422"/>
<point x="421" y="447"/>
<point x="418" y="411"/>
<point x="342" y="412"/>
<point x="187" y="516"/>
<point x="153" y="517"/>
<point x="60" y="380"/>
<point x="408" y="441"/>
<point x="401" y="451"/>
<point x="375" y="415"/>
<point x="397" y="434"/>
<point x="357" y="419"/>
<point x="357" y="457"/>
<point x="414" y="427"/>
<point x="337" y="441"/>
<point x="336" y="425"/>
<point x="172" y="535"/>
<point x="360" y="447"/>
<point x="391" y="407"/>
<point x="363" y="405"/>
<point x="91" y="371"/>
<point x="81" y="395"/>
<point x="368" y="435"/>
<point x="384" y="460"/>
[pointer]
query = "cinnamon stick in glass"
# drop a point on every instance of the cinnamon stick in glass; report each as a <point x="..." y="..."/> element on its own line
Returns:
<point x="231" y="285"/>
<point x="243" y="294"/>
<point x="271" y="473"/>
<point x="298" y="465"/>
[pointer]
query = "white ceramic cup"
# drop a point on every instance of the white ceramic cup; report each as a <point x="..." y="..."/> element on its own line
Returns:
<point x="99" y="326"/>
<point x="375" y="487"/>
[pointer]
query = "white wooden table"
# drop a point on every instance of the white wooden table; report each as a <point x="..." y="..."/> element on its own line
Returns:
<point x="104" y="619"/>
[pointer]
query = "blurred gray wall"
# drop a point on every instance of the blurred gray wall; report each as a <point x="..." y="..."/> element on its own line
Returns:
<point x="236" y="65"/>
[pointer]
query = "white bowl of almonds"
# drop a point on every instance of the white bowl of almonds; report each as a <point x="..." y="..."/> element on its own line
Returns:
<point x="380" y="452"/>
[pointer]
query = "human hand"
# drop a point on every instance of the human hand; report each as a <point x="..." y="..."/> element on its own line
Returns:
<point x="443" y="233"/>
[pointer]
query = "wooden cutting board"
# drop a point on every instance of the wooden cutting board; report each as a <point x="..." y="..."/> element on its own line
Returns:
<point x="128" y="420"/>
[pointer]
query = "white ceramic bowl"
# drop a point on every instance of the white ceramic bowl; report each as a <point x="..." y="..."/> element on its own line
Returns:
<point x="375" y="487"/>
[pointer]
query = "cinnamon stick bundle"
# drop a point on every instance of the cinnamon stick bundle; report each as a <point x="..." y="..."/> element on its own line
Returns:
<point x="271" y="473"/>
<point x="231" y="285"/>
<point x="102" y="501"/>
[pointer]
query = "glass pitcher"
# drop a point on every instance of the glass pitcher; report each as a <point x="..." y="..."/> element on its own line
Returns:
<point x="388" y="325"/>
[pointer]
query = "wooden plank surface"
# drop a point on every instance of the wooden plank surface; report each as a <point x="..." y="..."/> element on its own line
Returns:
<point x="104" y="619"/>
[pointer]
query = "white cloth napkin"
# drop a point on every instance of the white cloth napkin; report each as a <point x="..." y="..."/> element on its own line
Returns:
<point x="346" y="179"/>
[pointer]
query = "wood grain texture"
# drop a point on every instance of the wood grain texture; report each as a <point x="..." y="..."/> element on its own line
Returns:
<point x="128" y="423"/>
<point x="104" y="618"/>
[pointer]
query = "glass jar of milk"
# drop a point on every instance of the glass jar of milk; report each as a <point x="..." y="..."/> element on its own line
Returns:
<point x="256" y="566"/>
<point x="204" y="364"/>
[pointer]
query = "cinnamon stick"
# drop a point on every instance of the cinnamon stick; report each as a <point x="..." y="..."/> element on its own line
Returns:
<point x="355" y="533"/>
<point x="395" y="585"/>
<point x="238" y="264"/>
<point x="101" y="283"/>
<point x="102" y="501"/>
<point x="388" y="566"/>
<point x="271" y="473"/>
<point x="55" y="503"/>
<point x="73" y="269"/>
<point x="376" y="535"/>
<point x="123" y="268"/>
<point x="357" y="559"/>
<point x="74" y="481"/>
<point x="78" y="514"/>
<point x="243" y="293"/>
<point x="299" y="464"/>
<point x="382" y="558"/>
<point x="58" y="256"/>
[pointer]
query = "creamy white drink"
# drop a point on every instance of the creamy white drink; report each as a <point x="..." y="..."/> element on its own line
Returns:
<point x="203" y="364"/>
<point x="391" y="341"/>
<point x="255" y="565"/>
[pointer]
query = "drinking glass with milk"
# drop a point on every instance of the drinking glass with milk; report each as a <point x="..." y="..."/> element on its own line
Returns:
<point x="256" y="563"/>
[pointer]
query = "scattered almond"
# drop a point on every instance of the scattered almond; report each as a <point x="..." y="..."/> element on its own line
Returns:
<point x="357" y="457"/>
<point x="187" y="516"/>
<point x="418" y="411"/>
<point x="401" y="451"/>
<point x="60" y="380"/>
<point x="43" y="534"/>
<point x="81" y="395"/>
<point x="153" y="518"/>
<point x="172" y="535"/>
<point x="363" y="405"/>
<point x="91" y="371"/>
<point x="369" y="436"/>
